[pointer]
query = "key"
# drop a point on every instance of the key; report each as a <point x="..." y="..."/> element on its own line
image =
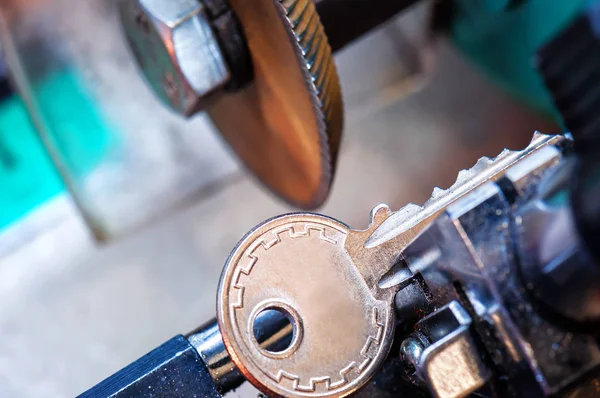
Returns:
<point x="312" y="270"/>
<point x="333" y="287"/>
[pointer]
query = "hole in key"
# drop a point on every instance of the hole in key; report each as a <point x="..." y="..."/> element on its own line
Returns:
<point x="274" y="330"/>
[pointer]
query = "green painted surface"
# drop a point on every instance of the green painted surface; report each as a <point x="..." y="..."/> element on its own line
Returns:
<point x="501" y="39"/>
<point x="27" y="175"/>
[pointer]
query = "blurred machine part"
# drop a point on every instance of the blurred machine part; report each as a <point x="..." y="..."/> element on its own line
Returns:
<point x="264" y="72"/>
<point x="26" y="173"/>
<point x="499" y="36"/>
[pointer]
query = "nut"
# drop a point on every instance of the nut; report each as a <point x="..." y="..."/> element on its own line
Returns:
<point x="176" y="49"/>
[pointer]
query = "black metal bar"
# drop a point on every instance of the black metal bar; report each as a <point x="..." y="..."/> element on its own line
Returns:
<point x="172" y="370"/>
<point x="5" y="89"/>
<point x="347" y="20"/>
<point x="570" y="67"/>
<point x="233" y="43"/>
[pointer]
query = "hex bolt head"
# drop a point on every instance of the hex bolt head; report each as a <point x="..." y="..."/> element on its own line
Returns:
<point x="177" y="50"/>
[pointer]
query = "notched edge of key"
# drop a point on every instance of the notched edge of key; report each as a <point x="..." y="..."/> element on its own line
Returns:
<point x="401" y="224"/>
<point x="379" y="214"/>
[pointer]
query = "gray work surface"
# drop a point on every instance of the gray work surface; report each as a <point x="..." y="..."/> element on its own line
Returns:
<point x="73" y="312"/>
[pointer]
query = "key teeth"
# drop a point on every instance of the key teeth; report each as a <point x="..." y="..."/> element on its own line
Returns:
<point x="437" y="192"/>
<point x="379" y="214"/>
<point x="505" y="152"/>
<point x="537" y="135"/>
<point x="401" y="216"/>
<point x="464" y="173"/>
<point x="409" y="210"/>
<point x="482" y="164"/>
<point x="435" y="195"/>
<point x="464" y="176"/>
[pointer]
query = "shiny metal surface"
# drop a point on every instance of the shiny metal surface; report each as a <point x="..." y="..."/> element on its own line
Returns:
<point x="309" y="169"/>
<point x="312" y="268"/>
<point x="454" y="257"/>
<point x="558" y="269"/>
<point x="405" y="224"/>
<point x="208" y="342"/>
<point x="411" y="351"/>
<point x="451" y="366"/>
<point x="269" y="267"/>
<point x="286" y="124"/>
<point x="176" y="49"/>
<point x="525" y="175"/>
<point x="467" y="255"/>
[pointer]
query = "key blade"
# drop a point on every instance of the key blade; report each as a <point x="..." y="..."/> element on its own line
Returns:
<point x="405" y="224"/>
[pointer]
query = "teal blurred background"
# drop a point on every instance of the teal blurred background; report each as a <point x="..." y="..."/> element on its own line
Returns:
<point x="27" y="175"/>
<point x="501" y="36"/>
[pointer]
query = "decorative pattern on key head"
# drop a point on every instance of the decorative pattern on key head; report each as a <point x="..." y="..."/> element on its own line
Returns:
<point x="299" y="264"/>
<point x="326" y="380"/>
<point x="268" y="244"/>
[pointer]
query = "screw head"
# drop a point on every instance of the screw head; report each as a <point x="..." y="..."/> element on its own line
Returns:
<point x="174" y="45"/>
<point x="411" y="351"/>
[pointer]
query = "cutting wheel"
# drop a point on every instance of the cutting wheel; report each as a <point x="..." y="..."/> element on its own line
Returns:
<point x="287" y="124"/>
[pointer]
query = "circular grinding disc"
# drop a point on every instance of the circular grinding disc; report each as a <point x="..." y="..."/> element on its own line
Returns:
<point x="286" y="125"/>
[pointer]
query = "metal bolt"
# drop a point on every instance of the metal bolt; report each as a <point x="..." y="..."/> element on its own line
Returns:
<point x="202" y="47"/>
<point x="176" y="48"/>
<point x="411" y="351"/>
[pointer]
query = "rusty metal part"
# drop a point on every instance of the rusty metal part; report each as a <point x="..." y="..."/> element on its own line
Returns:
<point x="287" y="124"/>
